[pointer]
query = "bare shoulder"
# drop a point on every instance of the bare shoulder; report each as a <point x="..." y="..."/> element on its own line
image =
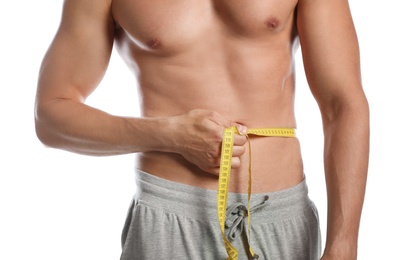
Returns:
<point x="79" y="54"/>
<point x="330" y="48"/>
<point x="323" y="7"/>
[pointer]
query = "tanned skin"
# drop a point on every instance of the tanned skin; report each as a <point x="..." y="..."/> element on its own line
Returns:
<point x="203" y="65"/>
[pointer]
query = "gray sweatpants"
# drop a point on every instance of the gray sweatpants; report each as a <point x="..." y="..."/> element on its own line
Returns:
<point x="168" y="220"/>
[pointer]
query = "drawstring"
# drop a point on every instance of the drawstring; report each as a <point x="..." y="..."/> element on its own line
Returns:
<point x="235" y="216"/>
<point x="239" y="212"/>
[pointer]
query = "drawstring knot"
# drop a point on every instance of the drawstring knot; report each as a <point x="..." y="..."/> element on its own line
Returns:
<point x="235" y="216"/>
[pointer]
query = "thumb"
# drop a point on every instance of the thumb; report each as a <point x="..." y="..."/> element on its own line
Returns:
<point x="242" y="130"/>
<point x="218" y="119"/>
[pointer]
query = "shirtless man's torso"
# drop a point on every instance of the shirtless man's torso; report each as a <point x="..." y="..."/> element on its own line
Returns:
<point x="205" y="65"/>
<point x="233" y="58"/>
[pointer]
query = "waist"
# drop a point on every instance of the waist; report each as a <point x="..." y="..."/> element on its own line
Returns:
<point x="276" y="162"/>
<point x="201" y="204"/>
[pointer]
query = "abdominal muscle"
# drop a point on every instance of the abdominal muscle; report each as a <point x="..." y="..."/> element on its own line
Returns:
<point x="250" y="82"/>
<point x="276" y="161"/>
<point x="276" y="165"/>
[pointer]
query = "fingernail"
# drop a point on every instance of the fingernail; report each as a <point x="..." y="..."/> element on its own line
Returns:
<point x="242" y="129"/>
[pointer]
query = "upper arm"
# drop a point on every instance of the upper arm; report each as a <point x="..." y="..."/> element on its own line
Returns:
<point x="79" y="54"/>
<point x="330" y="52"/>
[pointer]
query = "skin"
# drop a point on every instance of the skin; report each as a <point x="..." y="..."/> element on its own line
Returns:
<point x="206" y="65"/>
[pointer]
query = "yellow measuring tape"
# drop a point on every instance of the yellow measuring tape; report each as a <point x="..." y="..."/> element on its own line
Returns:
<point x="224" y="177"/>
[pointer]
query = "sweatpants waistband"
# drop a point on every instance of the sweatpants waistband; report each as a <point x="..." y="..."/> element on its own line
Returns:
<point x="199" y="203"/>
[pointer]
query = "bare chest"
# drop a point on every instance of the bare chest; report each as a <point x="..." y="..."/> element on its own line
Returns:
<point x="160" y="24"/>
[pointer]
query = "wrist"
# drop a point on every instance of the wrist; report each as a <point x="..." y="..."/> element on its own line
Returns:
<point x="170" y="137"/>
<point x="149" y="134"/>
<point x="340" y="250"/>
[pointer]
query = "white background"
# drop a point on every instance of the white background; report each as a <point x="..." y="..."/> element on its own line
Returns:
<point x="59" y="205"/>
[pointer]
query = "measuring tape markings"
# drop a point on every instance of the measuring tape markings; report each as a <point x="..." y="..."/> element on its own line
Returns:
<point x="224" y="177"/>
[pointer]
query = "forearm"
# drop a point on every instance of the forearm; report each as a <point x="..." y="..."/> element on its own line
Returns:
<point x="346" y="165"/>
<point x="76" y="127"/>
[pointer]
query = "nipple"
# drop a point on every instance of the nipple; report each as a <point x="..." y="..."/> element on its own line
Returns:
<point x="154" y="44"/>
<point x="272" y="23"/>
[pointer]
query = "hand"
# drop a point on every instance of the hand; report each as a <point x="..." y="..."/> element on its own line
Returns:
<point x="198" y="137"/>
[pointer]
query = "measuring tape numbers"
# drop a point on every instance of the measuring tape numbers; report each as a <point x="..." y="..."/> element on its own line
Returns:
<point x="224" y="177"/>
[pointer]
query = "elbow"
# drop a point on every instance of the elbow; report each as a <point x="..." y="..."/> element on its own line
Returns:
<point x="353" y="110"/>
<point x="42" y="135"/>
<point x="43" y="128"/>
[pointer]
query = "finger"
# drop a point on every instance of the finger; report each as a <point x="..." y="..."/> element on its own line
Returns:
<point x="238" y="151"/>
<point x="239" y="140"/>
<point x="235" y="162"/>
<point x="219" y="120"/>
<point x="243" y="130"/>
